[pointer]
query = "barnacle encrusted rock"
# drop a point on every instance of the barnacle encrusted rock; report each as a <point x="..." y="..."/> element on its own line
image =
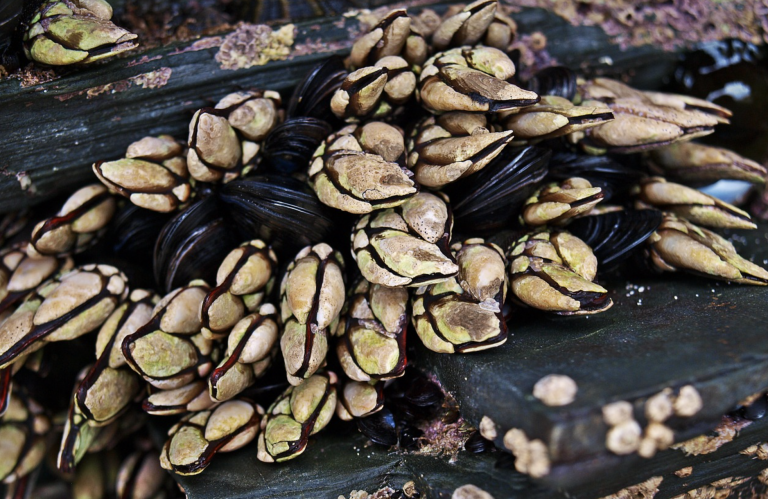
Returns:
<point x="62" y="309"/>
<point x="646" y="120"/>
<point x="360" y="169"/>
<point x="188" y="398"/>
<point x="224" y="140"/>
<point x="691" y="204"/>
<point x="406" y="245"/>
<point x="387" y="38"/>
<point x="471" y="79"/>
<point x="696" y="163"/>
<point x="250" y="348"/>
<point x="373" y="91"/>
<point x="23" y="430"/>
<point x="487" y="428"/>
<point x="301" y="411"/>
<point x="446" y="148"/>
<point x="555" y="390"/>
<point x="463" y="313"/>
<point x="531" y="456"/>
<point x="372" y="332"/>
<point x="64" y="32"/>
<point x="554" y="271"/>
<point x="553" y="117"/>
<point x="624" y="434"/>
<point x="77" y="224"/>
<point x="312" y="296"/>
<point x="199" y="436"/>
<point x="153" y="174"/>
<point x="169" y="351"/>
<point x="141" y="472"/>
<point x="359" y="399"/>
<point x="245" y="276"/>
<point x="109" y="386"/>
<point x="466" y="27"/>
<point x="680" y="245"/>
<point x="557" y="203"/>
<point x="403" y="241"/>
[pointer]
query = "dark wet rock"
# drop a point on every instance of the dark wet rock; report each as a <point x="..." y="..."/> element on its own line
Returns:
<point x="662" y="333"/>
<point x="337" y="463"/>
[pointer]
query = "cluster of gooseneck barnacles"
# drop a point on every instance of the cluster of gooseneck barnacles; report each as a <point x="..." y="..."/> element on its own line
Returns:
<point x="260" y="262"/>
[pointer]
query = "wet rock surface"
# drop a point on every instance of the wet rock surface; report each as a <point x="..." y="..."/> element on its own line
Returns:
<point x="339" y="463"/>
<point x="682" y="331"/>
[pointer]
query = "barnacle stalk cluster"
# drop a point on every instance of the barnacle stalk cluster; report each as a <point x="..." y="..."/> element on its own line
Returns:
<point x="65" y="32"/>
<point x="308" y="240"/>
